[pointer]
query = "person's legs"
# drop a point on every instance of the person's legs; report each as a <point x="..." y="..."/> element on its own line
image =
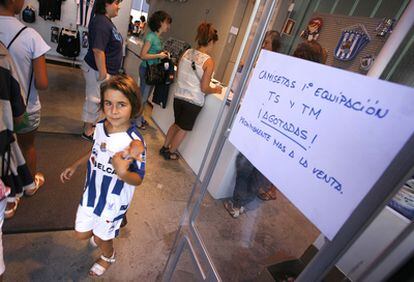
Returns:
<point x="170" y="135"/>
<point x="177" y="139"/>
<point x="90" y="112"/>
<point x="243" y="189"/>
<point x="83" y="235"/>
<point x="145" y="92"/>
<point x="107" y="249"/>
<point x="26" y="143"/>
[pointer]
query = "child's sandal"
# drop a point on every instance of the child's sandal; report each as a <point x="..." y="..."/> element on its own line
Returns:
<point x="171" y="155"/>
<point x="97" y="269"/>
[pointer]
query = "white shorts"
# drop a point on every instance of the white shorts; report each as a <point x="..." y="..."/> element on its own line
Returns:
<point x="92" y="94"/>
<point x="86" y="221"/>
<point x="33" y="123"/>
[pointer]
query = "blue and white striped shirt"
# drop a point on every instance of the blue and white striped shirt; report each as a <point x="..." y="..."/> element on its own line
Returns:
<point x="107" y="195"/>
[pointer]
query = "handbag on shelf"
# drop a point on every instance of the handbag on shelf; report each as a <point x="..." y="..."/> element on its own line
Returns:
<point x="155" y="74"/>
<point x="29" y="15"/>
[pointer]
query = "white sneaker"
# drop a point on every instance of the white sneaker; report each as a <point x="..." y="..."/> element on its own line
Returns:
<point x="233" y="211"/>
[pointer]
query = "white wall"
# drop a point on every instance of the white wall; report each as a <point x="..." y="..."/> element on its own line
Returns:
<point x="68" y="17"/>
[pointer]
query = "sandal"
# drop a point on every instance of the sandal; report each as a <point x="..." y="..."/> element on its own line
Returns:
<point x="163" y="150"/>
<point x="9" y="213"/>
<point x="232" y="210"/>
<point x="97" y="269"/>
<point x="39" y="180"/>
<point x="171" y="156"/>
<point x="267" y="195"/>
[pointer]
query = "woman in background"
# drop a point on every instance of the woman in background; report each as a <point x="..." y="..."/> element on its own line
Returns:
<point x="151" y="53"/>
<point x="103" y="59"/>
<point x="193" y="84"/>
<point x="250" y="182"/>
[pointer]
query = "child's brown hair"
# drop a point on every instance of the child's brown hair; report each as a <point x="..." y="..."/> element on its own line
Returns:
<point x="126" y="85"/>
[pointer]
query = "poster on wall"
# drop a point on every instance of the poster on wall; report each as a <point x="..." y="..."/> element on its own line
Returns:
<point x="322" y="135"/>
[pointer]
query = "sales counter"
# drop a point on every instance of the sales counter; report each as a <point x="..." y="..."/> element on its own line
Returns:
<point x="194" y="146"/>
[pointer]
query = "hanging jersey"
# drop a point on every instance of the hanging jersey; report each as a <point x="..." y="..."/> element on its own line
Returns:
<point x="105" y="194"/>
<point x="85" y="12"/>
<point x="50" y="9"/>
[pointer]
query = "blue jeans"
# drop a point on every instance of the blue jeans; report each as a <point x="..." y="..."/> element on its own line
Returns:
<point x="145" y="91"/>
<point x="248" y="181"/>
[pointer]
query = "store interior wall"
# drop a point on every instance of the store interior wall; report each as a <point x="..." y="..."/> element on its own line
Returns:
<point x="68" y="20"/>
<point x="277" y="22"/>
<point x="188" y="15"/>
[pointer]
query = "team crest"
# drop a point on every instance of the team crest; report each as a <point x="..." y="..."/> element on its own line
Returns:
<point x="352" y="41"/>
<point x="103" y="147"/>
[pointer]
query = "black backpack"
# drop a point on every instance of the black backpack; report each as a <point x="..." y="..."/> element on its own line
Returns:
<point x="29" y="15"/>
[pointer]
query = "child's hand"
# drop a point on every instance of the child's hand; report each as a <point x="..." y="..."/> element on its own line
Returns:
<point x="67" y="174"/>
<point x="134" y="151"/>
<point x="120" y="164"/>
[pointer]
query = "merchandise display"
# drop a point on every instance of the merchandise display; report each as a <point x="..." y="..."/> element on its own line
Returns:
<point x="85" y="41"/>
<point x="69" y="43"/>
<point x="313" y="29"/>
<point x="351" y="42"/>
<point x="50" y="9"/>
<point x="29" y="15"/>
<point x="366" y="62"/>
<point x="84" y="12"/>
<point x="385" y="27"/>
<point x="54" y="34"/>
<point x="403" y="201"/>
<point x="176" y="47"/>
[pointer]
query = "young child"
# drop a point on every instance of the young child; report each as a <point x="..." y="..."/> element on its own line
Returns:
<point x="116" y="165"/>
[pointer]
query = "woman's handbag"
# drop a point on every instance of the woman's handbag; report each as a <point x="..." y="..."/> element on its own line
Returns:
<point x="155" y="74"/>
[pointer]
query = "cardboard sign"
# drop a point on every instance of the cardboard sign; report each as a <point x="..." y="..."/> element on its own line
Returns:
<point x="322" y="135"/>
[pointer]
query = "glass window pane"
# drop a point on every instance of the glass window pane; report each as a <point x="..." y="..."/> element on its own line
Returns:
<point x="343" y="7"/>
<point x="389" y="8"/>
<point x="325" y="6"/>
<point x="265" y="232"/>
<point x="364" y="8"/>
<point x="403" y="71"/>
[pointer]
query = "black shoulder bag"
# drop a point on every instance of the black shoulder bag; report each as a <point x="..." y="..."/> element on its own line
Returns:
<point x="25" y="122"/>
<point x="155" y="74"/>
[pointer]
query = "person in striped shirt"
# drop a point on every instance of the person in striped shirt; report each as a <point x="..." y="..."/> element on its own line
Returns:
<point x="116" y="165"/>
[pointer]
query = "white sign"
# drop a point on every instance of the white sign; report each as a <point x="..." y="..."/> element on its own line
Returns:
<point x="322" y="135"/>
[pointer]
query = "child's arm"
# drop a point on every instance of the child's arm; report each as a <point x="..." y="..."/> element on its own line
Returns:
<point x="68" y="172"/>
<point x="121" y="166"/>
